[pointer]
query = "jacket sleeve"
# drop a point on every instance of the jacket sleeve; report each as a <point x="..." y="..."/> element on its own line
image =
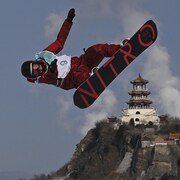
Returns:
<point x="58" y="44"/>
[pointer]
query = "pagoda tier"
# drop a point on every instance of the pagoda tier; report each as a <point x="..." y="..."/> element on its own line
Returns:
<point x="134" y="92"/>
<point x="139" y="80"/>
<point x="135" y="103"/>
<point x="140" y="101"/>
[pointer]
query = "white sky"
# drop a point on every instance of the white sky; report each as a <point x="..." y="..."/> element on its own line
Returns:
<point x="39" y="125"/>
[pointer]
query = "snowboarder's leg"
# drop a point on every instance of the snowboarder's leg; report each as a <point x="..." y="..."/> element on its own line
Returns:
<point x="95" y="54"/>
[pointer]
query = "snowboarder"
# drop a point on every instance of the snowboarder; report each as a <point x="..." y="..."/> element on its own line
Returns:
<point x="65" y="71"/>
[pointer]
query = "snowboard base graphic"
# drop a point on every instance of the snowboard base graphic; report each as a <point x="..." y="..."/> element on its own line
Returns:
<point x="90" y="90"/>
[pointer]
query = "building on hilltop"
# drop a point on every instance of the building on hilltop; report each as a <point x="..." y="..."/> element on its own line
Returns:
<point x="140" y="110"/>
<point x="175" y="137"/>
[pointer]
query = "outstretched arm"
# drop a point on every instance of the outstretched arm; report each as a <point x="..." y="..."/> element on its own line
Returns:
<point x="58" y="44"/>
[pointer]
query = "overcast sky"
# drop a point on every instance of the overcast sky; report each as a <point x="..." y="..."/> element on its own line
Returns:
<point x="39" y="125"/>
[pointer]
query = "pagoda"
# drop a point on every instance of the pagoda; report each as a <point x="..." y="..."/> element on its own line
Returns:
<point x="139" y="94"/>
<point x="140" y="110"/>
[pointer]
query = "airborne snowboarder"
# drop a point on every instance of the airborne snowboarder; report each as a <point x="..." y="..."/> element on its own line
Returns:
<point x="65" y="71"/>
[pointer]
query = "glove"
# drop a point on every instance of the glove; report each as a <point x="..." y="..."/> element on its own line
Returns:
<point x="71" y="15"/>
<point x="53" y="66"/>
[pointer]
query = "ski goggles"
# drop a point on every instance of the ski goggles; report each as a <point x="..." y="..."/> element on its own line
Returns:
<point x="35" y="69"/>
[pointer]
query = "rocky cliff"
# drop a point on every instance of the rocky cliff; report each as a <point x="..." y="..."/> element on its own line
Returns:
<point x="107" y="153"/>
<point x="114" y="152"/>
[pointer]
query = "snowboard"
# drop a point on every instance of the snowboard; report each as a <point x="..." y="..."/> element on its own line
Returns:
<point x="90" y="90"/>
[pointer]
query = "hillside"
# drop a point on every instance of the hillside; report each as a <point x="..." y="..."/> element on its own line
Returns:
<point x="111" y="152"/>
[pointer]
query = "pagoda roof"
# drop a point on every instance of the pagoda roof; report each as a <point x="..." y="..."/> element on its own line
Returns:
<point x="139" y="101"/>
<point x="139" y="79"/>
<point x="139" y="92"/>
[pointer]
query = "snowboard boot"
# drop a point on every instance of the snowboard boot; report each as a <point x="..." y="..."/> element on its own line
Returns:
<point x="123" y="42"/>
<point x="94" y="69"/>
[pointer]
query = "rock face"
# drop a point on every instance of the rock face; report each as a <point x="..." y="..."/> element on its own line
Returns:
<point x="106" y="153"/>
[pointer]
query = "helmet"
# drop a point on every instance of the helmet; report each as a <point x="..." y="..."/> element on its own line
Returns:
<point x="26" y="69"/>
